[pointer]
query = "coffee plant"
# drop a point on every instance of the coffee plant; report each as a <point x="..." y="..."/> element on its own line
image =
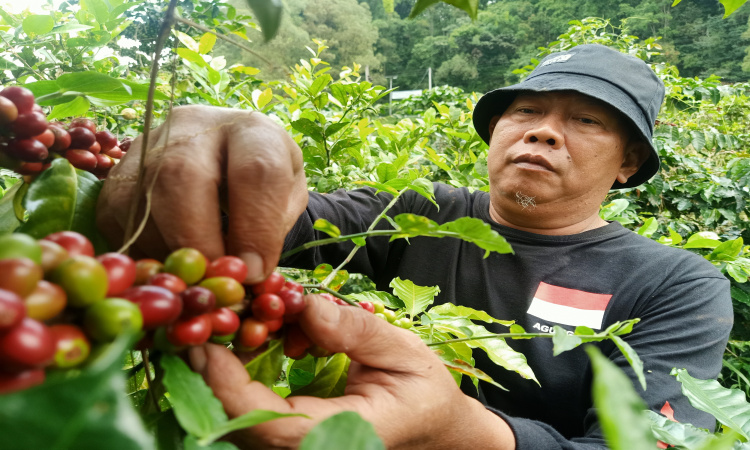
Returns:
<point x="91" y="341"/>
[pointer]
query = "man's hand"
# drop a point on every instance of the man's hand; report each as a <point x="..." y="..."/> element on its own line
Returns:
<point x="208" y="155"/>
<point x="395" y="382"/>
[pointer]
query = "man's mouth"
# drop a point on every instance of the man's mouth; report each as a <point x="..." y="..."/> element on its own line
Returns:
<point x="534" y="162"/>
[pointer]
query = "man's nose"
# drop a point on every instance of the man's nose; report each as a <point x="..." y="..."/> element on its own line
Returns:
<point x="548" y="131"/>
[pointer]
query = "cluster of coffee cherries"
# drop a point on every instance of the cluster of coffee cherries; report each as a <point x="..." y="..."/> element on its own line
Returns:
<point x="28" y="142"/>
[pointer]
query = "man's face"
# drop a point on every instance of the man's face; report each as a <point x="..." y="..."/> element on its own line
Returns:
<point x="557" y="148"/>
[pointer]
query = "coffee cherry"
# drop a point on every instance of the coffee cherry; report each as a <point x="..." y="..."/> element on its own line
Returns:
<point x="197" y="300"/>
<point x="106" y="320"/>
<point x="83" y="122"/>
<point x="296" y="342"/>
<point x="83" y="278"/>
<point x="19" y="275"/>
<point x="106" y="139"/>
<point x="294" y="302"/>
<point x="191" y="331"/>
<point x="145" y="268"/>
<point x="29" y="345"/>
<point x="129" y="114"/>
<point x="168" y="281"/>
<point x="274" y="325"/>
<point x="47" y="138"/>
<point x="125" y="144"/>
<point x="19" y="245"/>
<point x="29" y="124"/>
<point x="46" y="301"/>
<point x="30" y="168"/>
<point x="81" y="159"/>
<point x="29" y="150"/>
<point x="62" y="139"/>
<point x="21" y="97"/>
<point x="121" y="272"/>
<point x="114" y="152"/>
<point x="367" y="306"/>
<point x="158" y="306"/>
<point x="75" y="243"/>
<point x="103" y="165"/>
<point x="18" y="381"/>
<point x="227" y="266"/>
<point x="12" y="310"/>
<point x="187" y="263"/>
<point x="228" y="291"/>
<point x="52" y="254"/>
<point x="272" y="284"/>
<point x="252" y="334"/>
<point x="8" y="111"/>
<point x="224" y="322"/>
<point x="81" y="137"/>
<point x="294" y="286"/>
<point x="268" y="307"/>
<point x="72" y="347"/>
<point x="95" y="148"/>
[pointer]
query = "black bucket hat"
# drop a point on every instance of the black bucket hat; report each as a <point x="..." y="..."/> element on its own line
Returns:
<point x="625" y="82"/>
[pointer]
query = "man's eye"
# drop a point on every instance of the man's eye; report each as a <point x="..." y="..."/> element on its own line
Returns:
<point x="526" y="110"/>
<point x="588" y="120"/>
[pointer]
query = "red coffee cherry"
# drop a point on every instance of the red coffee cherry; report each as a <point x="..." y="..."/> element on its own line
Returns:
<point x="20" y="96"/>
<point x="72" y="347"/>
<point x="294" y="286"/>
<point x="224" y="322"/>
<point x="294" y="302"/>
<point x="168" y="281"/>
<point x="81" y="159"/>
<point x="120" y="272"/>
<point x="29" y="150"/>
<point x="95" y="148"/>
<point x="29" y="345"/>
<point x="367" y="306"/>
<point x="268" y="307"/>
<point x="197" y="300"/>
<point x="227" y="266"/>
<point x="145" y="268"/>
<point x="106" y="139"/>
<point x="296" y="342"/>
<point x="52" y="254"/>
<point x="83" y="122"/>
<point x="8" y="111"/>
<point x="75" y="243"/>
<point x="274" y="325"/>
<point x="272" y="284"/>
<point x="253" y="333"/>
<point x="125" y="144"/>
<point x="12" y="310"/>
<point x="158" y="306"/>
<point x="19" y="275"/>
<point x="47" y="138"/>
<point x="14" y="382"/>
<point x="30" y="168"/>
<point x="46" y="301"/>
<point x="191" y="331"/>
<point x="81" y="138"/>
<point x="29" y="124"/>
<point x="114" y="152"/>
<point x="62" y="139"/>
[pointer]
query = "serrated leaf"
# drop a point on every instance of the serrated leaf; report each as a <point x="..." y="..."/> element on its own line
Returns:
<point x="618" y="406"/>
<point x="267" y="366"/>
<point x="330" y="381"/>
<point x="268" y="13"/>
<point x="416" y="298"/>
<point x="327" y="228"/>
<point x="195" y="406"/>
<point x="479" y="233"/>
<point x="206" y="43"/>
<point x="77" y="107"/>
<point x="449" y="309"/>
<point x="346" y="430"/>
<point x="728" y="406"/>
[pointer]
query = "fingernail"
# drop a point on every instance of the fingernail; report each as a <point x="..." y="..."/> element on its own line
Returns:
<point x="198" y="358"/>
<point x="254" y="267"/>
<point x="327" y="311"/>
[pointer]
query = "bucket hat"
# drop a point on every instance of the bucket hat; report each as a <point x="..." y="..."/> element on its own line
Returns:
<point x="622" y="81"/>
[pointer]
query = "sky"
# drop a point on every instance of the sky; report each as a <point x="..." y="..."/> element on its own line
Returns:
<point x="35" y="6"/>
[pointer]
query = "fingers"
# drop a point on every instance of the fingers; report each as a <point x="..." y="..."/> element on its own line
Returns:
<point x="267" y="192"/>
<point x="364" y="337"/>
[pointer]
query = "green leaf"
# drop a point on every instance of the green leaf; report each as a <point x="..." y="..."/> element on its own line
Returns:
<point x="327" y="228"/>
<point x="192" y="443"/>
<point x="319" y="84"/>
<point x="194" y="404"/>
<point x="187" y="41"/>
<point x="649" y="227"/>
<point x="329" y="382"/>
<point x="192" y="56"/>
<point x="206" y="43"/>
<point x="412" y="225"/>
<point x="416" y="298"/>
<point x="264" y="98"/>
<point x="479" y="233"/>
<point x="465" y="368"/>
<point x="633" y="359"/>
<point x="378" y="296"/>
<point x="346" y="430"/>
<point x="309" y="128"/>
<point x="89" y="83"/>
<point x="731" y="6"/>
<point x="676" y="433"/>
<point x="98" y="8"/>
<point x="469" y="6"/>
<point x="268" y="13"/>
<point x="703" y="239"/>
<point x="8" y="220"/>
<point x="249" y="419"/>
<point x="324" y="270"/>
<point x="449" y="309"/>
<point x="61" y="198"/>
<point x="77" y="107"/>
<point x="267" y="366"/>
<point x="618" y="406"/>
<point x="70" y="28"/>
<point x="38" y="24"/>
<point x="76" y="412"/>
<point x="727" y="250"/>
<point x="562" y="341"/>
<point x="613" y="209"/>
<point x="728" y="406"/>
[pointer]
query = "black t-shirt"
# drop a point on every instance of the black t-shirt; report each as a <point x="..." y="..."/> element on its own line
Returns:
<point x="594" y="278"/>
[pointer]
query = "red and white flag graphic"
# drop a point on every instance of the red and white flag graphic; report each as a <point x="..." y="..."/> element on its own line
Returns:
<point x="569" y="306"/>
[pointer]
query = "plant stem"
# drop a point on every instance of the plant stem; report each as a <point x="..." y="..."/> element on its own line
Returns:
<point x="149" y="381"/>
<point x="343" y="297"/>
<point x="311" y="244"/>
<point x="161" y="40"/>
<point x="494" y="336"/>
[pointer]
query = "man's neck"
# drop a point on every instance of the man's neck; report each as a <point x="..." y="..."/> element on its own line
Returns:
<point x="535" y="219"/>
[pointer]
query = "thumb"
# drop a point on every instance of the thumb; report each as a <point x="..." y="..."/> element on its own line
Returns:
<point x="364" y="337"/>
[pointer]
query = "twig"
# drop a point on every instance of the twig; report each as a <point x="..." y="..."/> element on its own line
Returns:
<point x="21" y="59"/>
<point x="343" y="297"/>
<point x="149" y="384"/>
<point x="166" y="26"/>
<point x="226" y="39"/>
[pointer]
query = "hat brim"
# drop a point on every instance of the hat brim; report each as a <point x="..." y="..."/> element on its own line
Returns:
<point x="496" y="102"/>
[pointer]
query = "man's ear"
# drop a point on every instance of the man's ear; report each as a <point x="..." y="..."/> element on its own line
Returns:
<point x="635" y="155"/>
<point x="493" y="122"/>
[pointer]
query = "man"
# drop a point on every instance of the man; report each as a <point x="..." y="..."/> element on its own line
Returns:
<point x="578" y="126"/>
